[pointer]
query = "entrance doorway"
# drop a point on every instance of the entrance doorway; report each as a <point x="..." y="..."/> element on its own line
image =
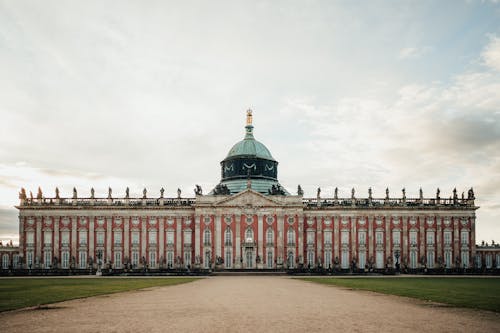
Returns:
<point x="249" y="258"/>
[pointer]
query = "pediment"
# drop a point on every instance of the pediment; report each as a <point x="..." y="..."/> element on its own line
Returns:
<point x="249" y="198"/>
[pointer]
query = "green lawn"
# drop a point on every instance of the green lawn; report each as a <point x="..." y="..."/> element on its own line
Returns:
<point x="24" y="292"/>
<point x="477" y="293"/>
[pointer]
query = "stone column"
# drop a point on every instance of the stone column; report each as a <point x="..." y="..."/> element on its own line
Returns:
<point x="336" y="241"/>
<point x="197" y="236"/>
<point x="354" y="235"/>
<point x="301" y="239"/>
<point x="260" y="237"/>
<point x="370" y="238"/>
<point x="456" y="239"/>
<point x="439" y="238"/>
<point x="472" y="245"/>
<point x="422" y="251"/>
<point x="218" y="227"/>
<point x="388" y="252"/>
<point x="126" y="238"/>
<point x="56" y="239"/>
<point x="405" y="245"/>
<point x="39" y="240"/>
<point x="238" y="242"/>
<point x="161" y="239"/>
<point x="109" y="231"/>
<point x="319" y="240"/>
<point x="178" y="243"/>
<point x="91" y="238"/>
<point x="74" y="240"/>
<point x="281" y="238"/>
<point x="21" y="239"/>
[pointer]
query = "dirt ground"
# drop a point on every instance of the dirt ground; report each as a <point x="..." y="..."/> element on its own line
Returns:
<point x="248" y="304"/>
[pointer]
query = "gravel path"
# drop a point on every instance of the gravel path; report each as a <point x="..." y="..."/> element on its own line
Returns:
<point x="248" y="304"/>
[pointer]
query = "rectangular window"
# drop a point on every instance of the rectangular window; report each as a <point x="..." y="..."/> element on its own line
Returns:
<point x="448" y="258"/>
<point x="430" y="237"/>
<point x="362" y="237"/>
<point x="152" y="237"/>
<point x="187" y="237"/>
<point x="497" y="260"/>
<point x="135" y="259"/>
<point x="379" y="259"/>
<point x="413" y="238"/>
<point x="83" y="259"/>
<point x="82" y="237"/>
<point x="100" y="238"/>
<point x="413" y="259"/>
<point x="118" y="237"/>
<point x="118" y="260"/>
<point x="30" y="238"/>
<point x="152" y="259"/>
<point x="65" y="238"/>
<point x="345" y="259"/>
<point x="310" y="237"/>
<point x="362" y="259"/>
<point x="464" y="238"/>
<point x="47" y="238"/>
<point x="47" y="260"/>
<point x="310" y="258"/>
<point x="489" y="261"/>
<point x="135" y="237"/>
<point x="328" y="237"/>
<point x="396" y="238"/>
<point x="170" y="237"/>
<point x="345" y="237"/>
<point x="65" y="259"/>
<point x="447" y="237"/>
<point x="187" y="259"/>
<point x="29" y="259"/>
<point x="430" y="259"/>
<point x="379" y="237"/>
<point x="270" y="259"/>
<point x="228" y="260"/>
<point x="328" y="259"/>
<point x="170" y="259"/>
<point x="465" y="259"/>
<point x="15" y="261"/>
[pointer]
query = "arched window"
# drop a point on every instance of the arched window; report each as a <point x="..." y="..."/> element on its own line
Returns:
<point x="5" y="261"/>
<point x="270" y="236"/>
<point x="249" y="235"/>
<point x="207" y="237"/>
<point x="228" y="237"/>
<point x="290" y="259"/>
<point x="290" y="236"/>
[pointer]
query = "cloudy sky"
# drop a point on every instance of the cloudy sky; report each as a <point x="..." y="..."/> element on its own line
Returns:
<point x="347" y="94"/>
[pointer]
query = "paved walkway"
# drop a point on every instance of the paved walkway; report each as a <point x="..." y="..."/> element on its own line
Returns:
<point x="248" y="304"/>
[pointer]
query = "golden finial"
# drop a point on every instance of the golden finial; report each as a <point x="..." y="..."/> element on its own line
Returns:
<point x="249" y="117"/>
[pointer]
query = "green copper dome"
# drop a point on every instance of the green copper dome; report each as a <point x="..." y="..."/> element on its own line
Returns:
<point x="250" y="147"/>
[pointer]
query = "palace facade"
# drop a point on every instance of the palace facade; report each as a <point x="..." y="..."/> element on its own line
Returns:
<point x="247" y="221"/>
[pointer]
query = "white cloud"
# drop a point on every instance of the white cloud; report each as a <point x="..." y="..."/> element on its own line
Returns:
<point x="491" y="54"/>
<point x="413" y="52"/>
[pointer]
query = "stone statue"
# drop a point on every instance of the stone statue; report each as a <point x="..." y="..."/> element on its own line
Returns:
<point x="336" y="193"/>
<point x="57" y="193"/>
<point x="92" y="193"/>
<point x="404" y="193"/>
<point x="455" y="196"/>
<point x="300" y="192"/>
<point x="110" y="191"/>
<point x="162" y="191"/>
<point x="438" y="192"/>
<point x="387" y="193"/>
<point x="421" y="194"/>
<point x="179" y="193"/>
<point x="22" y="194"/>
<point x="198" y="190"/>
<point x="39" y="195"/>
<point x="144" y="193"/>
<point x="352" y="193"/>
<point x="75" y="194"/>
<point x="31" y="196"/>
<point x="127" y="193"/>
<point x="370" y="193"/>
<point x="318" y="193"/>
<point x="463" y="196"/>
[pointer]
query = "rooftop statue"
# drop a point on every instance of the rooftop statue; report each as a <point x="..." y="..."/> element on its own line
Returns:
<point x="39" y="195"/>
<point x="144" y="193"/>
<point x="318" y="193"/>
<point x="352" y="193"/>
<point x="110" y="191"/>
<point x="438" y="192"/>
<point x="57" y="193"/>
<point x="300" y="192"/>
<point x="92" y="193"/>
<point x="179" y="193"/>
<point x="162" y="191"/>
<point x="336" y="193"/>
<point x="127" y="193"/>
<point x="75" y="194"/>
<point x="421" y="194"/>
<point x="370" y="193"/>
<point x="22" y="194"/>
<point x="404" y="193"/>
<point x="387" y="193"/>
<point x="31" y="196"/>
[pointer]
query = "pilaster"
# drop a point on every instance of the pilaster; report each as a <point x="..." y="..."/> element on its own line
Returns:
<point x="109" y="231"/>
<point x="260" y="240"/>
<point x="238" y="242"/>
<point x="39" y="240"/>
<point x="197" y="236"/>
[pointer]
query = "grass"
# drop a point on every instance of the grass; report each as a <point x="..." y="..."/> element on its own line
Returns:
<point x="476" y="293"/>
<point x="25" y="292"/>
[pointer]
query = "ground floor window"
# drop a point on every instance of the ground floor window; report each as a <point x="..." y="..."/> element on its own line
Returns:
<point x="310" y="258"/>
<point x="47" y="259"/>
<point x="430" y="259"/>
<point x="170" y="259"/>
<point x="5" y="261"/>
<point x="362" y="259"/>
<point x="135" y="259"/>
<point x="270" y="259"/>
<point x="488" y="261"/>
<point x="249" y="258"/>
<point x="152" y="259"/>
<point x="478" y="261"/>
<point x="328" y="259"/>
<point x="379" y="259"/>
<point x="465" y="259"/>
<point x="290" y="259"/>
<point x="207" y="260"/>
<point x="83" y="259"/>
<point x="413" y="259"/>
<point x="118" y="260"/>
<point x="29" y="259"/>
<point x="497" y="260"/>
<point x="65" y="259"/>
<point x="344" y="259"/>
<point x="187" y="259"/>
<point x="15" y="261"/>
<point x="448" y="256"/>
<point x="228" y="260"/>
